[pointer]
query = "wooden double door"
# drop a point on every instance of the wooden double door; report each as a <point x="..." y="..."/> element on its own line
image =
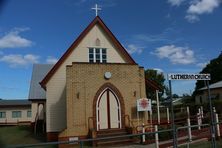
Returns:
<point x="108" y="110"/>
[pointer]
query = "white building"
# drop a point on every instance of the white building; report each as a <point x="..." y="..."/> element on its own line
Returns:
<point x="13" y="112"/>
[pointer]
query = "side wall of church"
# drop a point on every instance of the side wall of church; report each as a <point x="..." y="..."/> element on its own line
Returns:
<point x="56" y="86"/>
<point x="83" y="82"/>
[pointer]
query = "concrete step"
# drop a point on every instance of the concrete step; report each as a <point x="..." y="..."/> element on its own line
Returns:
<point x="111" y="133"/>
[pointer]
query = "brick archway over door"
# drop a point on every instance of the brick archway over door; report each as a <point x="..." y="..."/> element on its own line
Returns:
<point x="119" y="95"/>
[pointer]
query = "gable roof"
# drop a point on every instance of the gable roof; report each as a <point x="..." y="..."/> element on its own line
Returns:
<point x="98" y="21"/>
<point x="213" y="86"/>
<point x="39" y="71"/>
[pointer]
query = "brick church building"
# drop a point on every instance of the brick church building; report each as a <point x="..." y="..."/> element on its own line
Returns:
<point x="93" y="87"/>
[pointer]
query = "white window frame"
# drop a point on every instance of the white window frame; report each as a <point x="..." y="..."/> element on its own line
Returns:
<point x="3" y="113"/>
<point x="100" y="54"/>
<point x="29" y="113"/>
<point x="17" y="114"/>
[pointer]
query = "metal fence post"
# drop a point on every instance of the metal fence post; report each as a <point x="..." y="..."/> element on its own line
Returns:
<point x="156" y="137"/>
<point x="144" y="136"/>
<point x="218" y="126"/>
<point x="168" y="116"/>
<point x="199" y="121"/>
<point x="189" y="130"/>
<point x="172" y="118"/>
<point x="201" y="112"/>
<point x="200" y="118"/>
<point x="158" y="106"/>
<point x="212" y="127"/>
<point x="188" y="124"/>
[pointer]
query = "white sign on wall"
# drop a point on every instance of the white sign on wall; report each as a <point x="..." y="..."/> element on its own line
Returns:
<point x="187" y="76"/>
<point x="144" y="104"/>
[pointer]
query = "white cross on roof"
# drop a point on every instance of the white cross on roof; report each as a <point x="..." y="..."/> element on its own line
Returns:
<point x="96" y="8"/>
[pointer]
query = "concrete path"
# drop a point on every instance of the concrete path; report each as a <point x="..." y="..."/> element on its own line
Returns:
<point x="153" y="145"/>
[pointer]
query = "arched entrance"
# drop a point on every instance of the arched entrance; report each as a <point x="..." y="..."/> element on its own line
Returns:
<point x="108" y="110"/>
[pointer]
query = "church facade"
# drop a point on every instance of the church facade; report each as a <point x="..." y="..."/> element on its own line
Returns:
<point x="93" y="87"/>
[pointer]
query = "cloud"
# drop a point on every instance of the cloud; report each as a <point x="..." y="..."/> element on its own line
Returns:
<point x="202" y="65"/>
<point x="51" y="60"/>
<point x="176" y="55"/>
<point x="175" y="2"/>
<point x="203" y="6"/>
<point x="168" y="35"/>
<point x="198" y="7"/>
<point x="132" y="48"/>
<point x="159" y="71"/>
<point x="18" y="60"/>
<point x="14" y="40"/>
<point x="192" y="18"/>
<point x="151" y="38"/>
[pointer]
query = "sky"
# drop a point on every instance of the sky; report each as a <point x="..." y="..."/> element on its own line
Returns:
<point x="172" y="36"/>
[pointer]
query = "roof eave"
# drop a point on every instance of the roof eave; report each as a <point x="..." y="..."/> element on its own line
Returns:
<point x="40" y="99"/>
<point x="153" y="84"/>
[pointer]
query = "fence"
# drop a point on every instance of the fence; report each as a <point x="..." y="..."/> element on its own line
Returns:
<point x="188" y="129"/>
<point x="186" y="135"/>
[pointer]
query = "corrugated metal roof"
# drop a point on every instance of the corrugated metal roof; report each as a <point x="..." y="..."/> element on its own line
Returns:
<point x="213" y="86"/>
<point x="14" y="102"/>
<point x="38" y="73"/>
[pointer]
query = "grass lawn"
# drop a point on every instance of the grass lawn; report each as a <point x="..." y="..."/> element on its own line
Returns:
<point x="11" y="135"/>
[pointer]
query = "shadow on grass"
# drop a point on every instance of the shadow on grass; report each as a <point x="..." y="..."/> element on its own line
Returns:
<point x="14" y="135"/>
<point x="38" y="136"/>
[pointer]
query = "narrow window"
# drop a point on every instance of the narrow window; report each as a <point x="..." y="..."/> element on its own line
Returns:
<point x="2" y="114"/>
<point x="29" y="113"/>
<point x="97" y="55"/>
<point x="104" y="55"/>
<point x="91" y="55"/>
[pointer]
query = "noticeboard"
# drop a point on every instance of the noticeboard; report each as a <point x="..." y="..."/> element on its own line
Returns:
<point x="144" y="104"/>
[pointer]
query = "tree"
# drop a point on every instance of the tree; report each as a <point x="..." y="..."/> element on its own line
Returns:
<point x="175" y="96"/>
<point x="158" y="78"/>
<point x="214" y="68"/>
